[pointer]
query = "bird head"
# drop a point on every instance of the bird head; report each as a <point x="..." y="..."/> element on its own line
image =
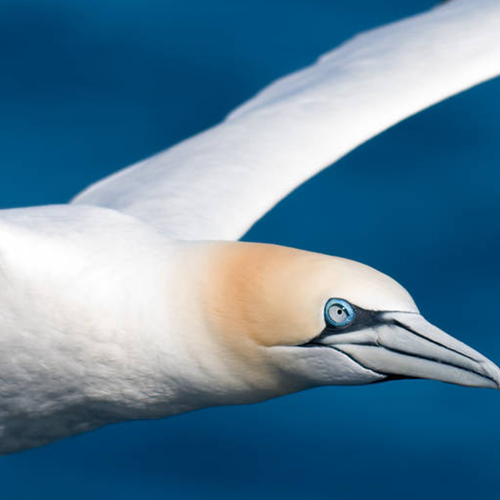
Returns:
<point x="294" y="319"/>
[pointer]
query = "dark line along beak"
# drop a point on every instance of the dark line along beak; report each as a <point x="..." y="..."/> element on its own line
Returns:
<point x="406" y="345"/>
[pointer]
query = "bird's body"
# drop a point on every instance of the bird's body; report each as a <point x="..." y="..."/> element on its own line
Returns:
<point x="66" y="354"/>
<point x="176" y="336"/>
<point x="116" y="306"/>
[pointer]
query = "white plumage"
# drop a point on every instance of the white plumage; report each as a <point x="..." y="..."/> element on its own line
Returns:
<point x="110" y="312"/>
<point x="221" y="181"/>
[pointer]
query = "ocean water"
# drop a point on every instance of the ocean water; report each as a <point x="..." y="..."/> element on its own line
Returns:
<point x="87" y="87"/>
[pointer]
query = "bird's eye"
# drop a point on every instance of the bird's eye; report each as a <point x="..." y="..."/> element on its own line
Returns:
<point x="339" y="313"/>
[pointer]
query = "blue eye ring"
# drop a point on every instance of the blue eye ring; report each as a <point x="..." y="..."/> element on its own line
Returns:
<point x="343" y="305"/>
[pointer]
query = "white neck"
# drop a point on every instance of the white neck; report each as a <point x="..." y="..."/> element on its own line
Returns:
<point x="100" y="325"/>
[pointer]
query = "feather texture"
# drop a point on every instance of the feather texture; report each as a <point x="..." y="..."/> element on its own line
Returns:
<point x="218" y="183"/>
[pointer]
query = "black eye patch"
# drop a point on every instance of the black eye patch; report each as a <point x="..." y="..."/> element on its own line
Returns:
<point x="364" y="319"/>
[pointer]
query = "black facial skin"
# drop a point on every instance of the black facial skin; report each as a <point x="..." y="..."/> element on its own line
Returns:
<point x="364" y="318"/>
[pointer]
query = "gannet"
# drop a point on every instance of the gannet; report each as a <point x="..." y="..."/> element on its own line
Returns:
<point x="136" y="300"/>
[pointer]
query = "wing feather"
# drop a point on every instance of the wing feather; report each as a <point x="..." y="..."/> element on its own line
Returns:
<point x="215" y="185"/>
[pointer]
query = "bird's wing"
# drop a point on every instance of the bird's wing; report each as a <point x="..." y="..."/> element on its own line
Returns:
<point x="215" y="185"/>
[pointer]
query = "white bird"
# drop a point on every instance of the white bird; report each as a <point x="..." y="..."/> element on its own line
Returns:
<point x="117" y="307"/>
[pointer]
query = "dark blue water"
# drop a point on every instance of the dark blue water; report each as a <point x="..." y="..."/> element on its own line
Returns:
<point x="87" y="87"/>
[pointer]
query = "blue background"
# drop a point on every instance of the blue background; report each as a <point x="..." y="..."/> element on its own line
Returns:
<point x="87" y="87"/>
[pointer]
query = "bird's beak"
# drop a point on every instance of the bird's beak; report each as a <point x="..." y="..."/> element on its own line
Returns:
<point x="405" y="345"/>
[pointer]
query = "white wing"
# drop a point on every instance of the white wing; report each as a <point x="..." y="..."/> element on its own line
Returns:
<point x="218" y="183"/>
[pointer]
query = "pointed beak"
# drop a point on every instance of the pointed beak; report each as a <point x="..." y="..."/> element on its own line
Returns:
<point x="405" y="345"/>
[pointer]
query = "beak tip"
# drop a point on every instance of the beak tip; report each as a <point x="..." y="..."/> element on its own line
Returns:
<point x="492" y="372"/>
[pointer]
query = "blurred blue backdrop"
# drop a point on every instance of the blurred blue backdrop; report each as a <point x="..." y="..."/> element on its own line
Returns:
<point x="87" y="87"/>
